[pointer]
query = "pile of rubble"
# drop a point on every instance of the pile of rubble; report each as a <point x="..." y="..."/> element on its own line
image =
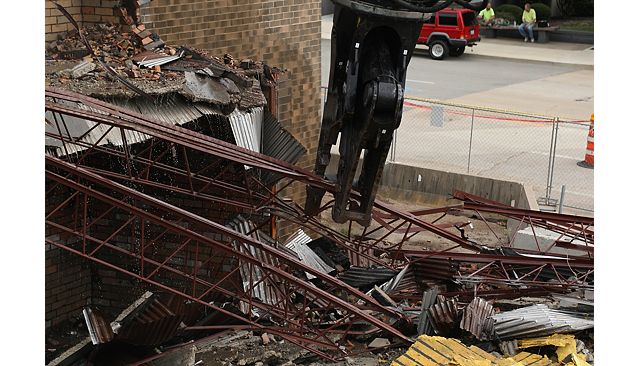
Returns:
<point x="109" y="60"/>
<point x="438" y="299"/>
<point x="293" y="301"/>
<point x="335" y="296"/>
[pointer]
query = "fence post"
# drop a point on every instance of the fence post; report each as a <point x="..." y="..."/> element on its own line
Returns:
<point x="552" y="160"/>
<point x="561" y="204"/>
<point x="394" y="143"/>
<point x="555" y="144"/>
<point x="473" y="115"/>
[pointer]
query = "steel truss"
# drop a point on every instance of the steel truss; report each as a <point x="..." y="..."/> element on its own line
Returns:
<point x="209" y="182"/>
<point x="576" y="232"/>
<point x="127" y="182"/>
<point x="549" y="273"/>
<point x="302" y="322"/>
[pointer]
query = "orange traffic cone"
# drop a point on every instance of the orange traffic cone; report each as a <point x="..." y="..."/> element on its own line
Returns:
<point x="588" y="156"/>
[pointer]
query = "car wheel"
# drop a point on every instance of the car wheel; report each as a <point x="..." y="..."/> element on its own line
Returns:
<point x="456" y="51"/>
<point x="438" y="50"/>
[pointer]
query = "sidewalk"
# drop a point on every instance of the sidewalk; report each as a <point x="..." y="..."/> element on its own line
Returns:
<point x="553" y="52"/>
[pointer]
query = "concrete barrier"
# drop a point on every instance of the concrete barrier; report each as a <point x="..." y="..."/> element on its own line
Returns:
<point x="431" y="187"/>
<point x="434" y="187"/>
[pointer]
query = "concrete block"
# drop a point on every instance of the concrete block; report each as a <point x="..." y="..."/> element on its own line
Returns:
<point x="544" y="239"/>
<point x="82" y="69"/>
<point x="379" y="342"/>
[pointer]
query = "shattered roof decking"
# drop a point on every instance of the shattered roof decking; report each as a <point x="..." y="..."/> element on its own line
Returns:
<point x="437" y="351"/>
<point x="289" y="291"/>
<point x="288" y="270"/>
<point x="191" y="73"/>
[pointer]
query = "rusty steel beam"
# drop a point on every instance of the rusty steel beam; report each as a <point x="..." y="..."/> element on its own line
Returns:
<point x="513" y="270"/>
<point x="482" y="204"/>
<point x="118" y="117"/>
<point x="140" y="206"/>
<point x="569" y="227"/>
<point x="510" y="259"/>
<point x="81" y="177"/>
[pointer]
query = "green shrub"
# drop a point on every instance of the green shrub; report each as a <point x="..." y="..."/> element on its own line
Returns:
<point x="514" y="10"/>
<point x="575" y="8"/>
<point x="543" y="12"/>
<point x="520" y="3"/>
<point x="584" y="8"/>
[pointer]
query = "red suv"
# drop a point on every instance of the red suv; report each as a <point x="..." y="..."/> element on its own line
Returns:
<point x="449" y="31"/>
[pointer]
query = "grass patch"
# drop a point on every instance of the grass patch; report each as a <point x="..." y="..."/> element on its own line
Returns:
<point x="578" y="25"/>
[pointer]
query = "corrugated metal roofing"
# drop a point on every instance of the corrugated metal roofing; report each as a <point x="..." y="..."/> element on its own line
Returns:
<point x="361" y="277"/>
<point x="420" y="275"/>
<point x="152" y="323"/>
<point x="153" y="319"/>
<point x="429" y="298"/>
<point x="280" y="144"/>
<point x="171" y="109"/>
<point x="476" y="319"/>
<point x="298" y="243"/>
<point x="265" y="290"/>
<point x="444" y="316"/>
<point x="440" y="351"/>
<point x="99" y="331"/>
<point x="536" y="320"/>
<point x="77" y="127"/>
<point x="247" y="128"/>
<point x="393" y="283"/>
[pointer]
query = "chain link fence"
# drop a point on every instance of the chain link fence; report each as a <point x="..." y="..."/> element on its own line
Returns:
<point x="541" y="152"/>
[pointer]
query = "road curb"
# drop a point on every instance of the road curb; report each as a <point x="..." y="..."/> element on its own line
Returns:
<point x="422" y="52"/>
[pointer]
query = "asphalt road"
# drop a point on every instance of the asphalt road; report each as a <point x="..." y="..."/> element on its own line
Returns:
<point x="455" y="77"/>
<point x="501" y="149"/>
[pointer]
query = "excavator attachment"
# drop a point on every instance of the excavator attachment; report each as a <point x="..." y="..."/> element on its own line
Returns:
<point x="372" y="42"/>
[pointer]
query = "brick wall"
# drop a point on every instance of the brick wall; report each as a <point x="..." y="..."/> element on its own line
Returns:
<point x="72" y="282"/>
<point x="83" y="11"/>
<point x="67" y="276"/>
<point x="112" y="291"/>
<point x="283" y="33"/>
<point x="68" y="285"/>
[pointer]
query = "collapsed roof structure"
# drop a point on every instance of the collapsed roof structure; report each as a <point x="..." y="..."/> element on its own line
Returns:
<point x="166" y="166"/>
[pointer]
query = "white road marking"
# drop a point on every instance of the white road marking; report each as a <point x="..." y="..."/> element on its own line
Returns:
<point x="420" y="81"/>
<point x="557" y="156"/>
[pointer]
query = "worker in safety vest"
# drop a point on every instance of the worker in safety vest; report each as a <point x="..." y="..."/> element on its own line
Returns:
<point x="487" y="15"/>
<point x="528" y="22"/>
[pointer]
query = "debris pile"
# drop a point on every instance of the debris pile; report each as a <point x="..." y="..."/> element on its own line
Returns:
<point x="233" y="293"/>
<point x="298" y="288"/>
<point x="126" y="61"/>
<point x="335" y="295"/>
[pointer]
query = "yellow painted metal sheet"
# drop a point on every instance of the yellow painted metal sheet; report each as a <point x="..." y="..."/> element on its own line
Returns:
<point x="440" y="351"/>
<point x="566" y="348"/>
<point x="558" y="340"/>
